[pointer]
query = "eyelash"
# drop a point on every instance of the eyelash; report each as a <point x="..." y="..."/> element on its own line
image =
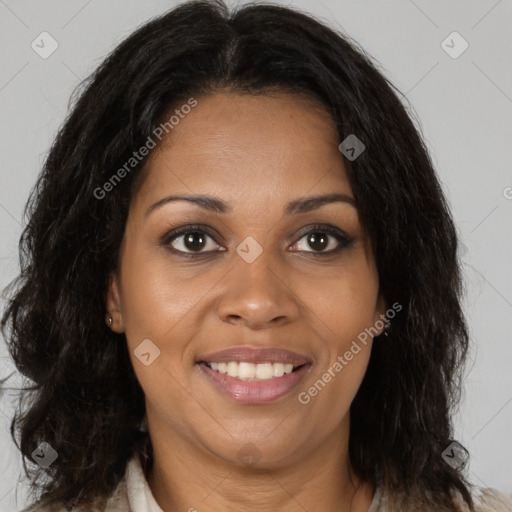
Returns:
<point x="344" y="240"/>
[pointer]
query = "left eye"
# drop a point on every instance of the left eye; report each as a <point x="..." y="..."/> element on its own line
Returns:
<point x="320" y="239"/>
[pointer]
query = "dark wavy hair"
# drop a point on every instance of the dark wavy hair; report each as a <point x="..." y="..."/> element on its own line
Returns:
<point x="84" y="398"/>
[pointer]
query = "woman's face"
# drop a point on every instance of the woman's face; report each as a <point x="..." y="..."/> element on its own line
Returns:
<point x="263" y="276"/>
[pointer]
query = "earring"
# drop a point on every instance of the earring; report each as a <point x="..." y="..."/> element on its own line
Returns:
<point x="386" y="327"/>
<point x="109" y="321"/>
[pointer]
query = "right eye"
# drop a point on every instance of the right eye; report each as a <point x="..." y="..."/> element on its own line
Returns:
<point x="189" y="241"/>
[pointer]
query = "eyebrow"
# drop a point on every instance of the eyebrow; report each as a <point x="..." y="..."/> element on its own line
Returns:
<point x="295" y="207"/>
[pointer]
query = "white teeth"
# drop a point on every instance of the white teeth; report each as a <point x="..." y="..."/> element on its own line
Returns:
<point x="251" y="371"/>
<point x="278" y="369"/>
<point x="233" y="369"/>
<point x="246" y="371"/>
<point x="264" y="371"/>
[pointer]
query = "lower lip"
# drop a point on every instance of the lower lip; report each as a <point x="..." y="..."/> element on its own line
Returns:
<point x="255" y="391"/>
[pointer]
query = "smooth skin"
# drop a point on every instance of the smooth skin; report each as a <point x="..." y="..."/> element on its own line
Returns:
<point x="255" y="153"/>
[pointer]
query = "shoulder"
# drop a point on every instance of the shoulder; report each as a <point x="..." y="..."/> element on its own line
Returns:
<point x="131" y="494"/>
<point x="484" y="500"/>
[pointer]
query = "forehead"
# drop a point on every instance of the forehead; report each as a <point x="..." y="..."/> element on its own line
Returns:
<point x="245" y="147"/>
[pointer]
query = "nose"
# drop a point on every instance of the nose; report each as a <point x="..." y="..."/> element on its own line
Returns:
<point x="257" y="295"/>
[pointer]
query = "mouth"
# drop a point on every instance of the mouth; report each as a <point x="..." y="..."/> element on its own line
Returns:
<point x="254" y="376"/>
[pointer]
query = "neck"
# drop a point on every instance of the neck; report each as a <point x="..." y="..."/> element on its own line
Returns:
<point x="191" y="478"/>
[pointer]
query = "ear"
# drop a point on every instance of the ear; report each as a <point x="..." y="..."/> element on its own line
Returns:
<point x="113" y="303"/>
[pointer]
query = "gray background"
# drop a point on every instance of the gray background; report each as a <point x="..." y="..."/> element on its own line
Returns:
<point x="463" y="106"/>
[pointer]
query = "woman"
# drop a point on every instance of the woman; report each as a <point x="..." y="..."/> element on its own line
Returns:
<point x="240" y="287"/>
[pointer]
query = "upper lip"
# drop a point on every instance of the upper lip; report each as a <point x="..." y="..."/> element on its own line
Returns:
<point x="255" y="355"/>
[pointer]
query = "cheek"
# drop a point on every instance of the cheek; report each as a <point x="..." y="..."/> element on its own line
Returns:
<point x="154" y="304"/>
<point x="155" y="296"/>
<point x="336" y="379"/>
<point x="344" y="310"/>
<point x="160" y="303"/>
<point x="343" y="304"/>
<point x="325" y="403"/>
